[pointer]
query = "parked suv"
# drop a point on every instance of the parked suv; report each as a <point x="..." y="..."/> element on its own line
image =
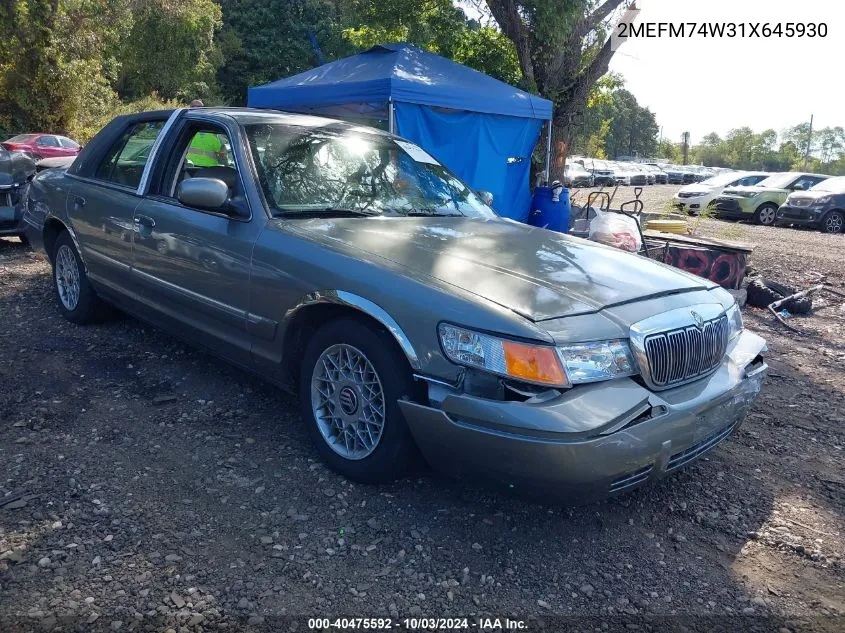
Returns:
<point x="822" y="207"/>
<point x="695" y="198"/>
<point x="760" y="202"/>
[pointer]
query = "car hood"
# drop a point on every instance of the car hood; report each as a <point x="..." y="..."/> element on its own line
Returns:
<point x="538" y="274"/>
<point x="810" y="195"/>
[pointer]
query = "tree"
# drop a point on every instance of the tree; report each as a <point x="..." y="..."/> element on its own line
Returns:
<point x="264" y="40"/>
<point x="435" y="25"/>
<point x="170" y="49"/>
<point x="563" y="48"/>
<point x="57" y="61"/>
<point x="830" y="144"/>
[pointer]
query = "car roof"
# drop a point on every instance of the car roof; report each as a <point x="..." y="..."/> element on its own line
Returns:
<point x="248" y="116"/>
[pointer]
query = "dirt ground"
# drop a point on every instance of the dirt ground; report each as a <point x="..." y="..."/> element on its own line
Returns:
<point x="147" y="486"/>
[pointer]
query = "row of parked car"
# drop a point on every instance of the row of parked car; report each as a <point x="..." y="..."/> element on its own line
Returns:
<point x="21" y="157"/>
<point x="784" y="199"/>
<point x="592" y="172"/>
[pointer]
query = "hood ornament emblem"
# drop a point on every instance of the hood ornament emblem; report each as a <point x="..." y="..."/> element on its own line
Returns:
<point x="699" y="320"/>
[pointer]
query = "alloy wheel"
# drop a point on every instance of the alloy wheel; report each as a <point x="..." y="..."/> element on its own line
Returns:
<point x="767" y="216"/>
<point x="347" y="400"/>
<point x="67" y="277"/>
<point x="833" y="223"/>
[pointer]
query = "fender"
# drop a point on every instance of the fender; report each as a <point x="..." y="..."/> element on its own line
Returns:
<point x="342" y="297"/>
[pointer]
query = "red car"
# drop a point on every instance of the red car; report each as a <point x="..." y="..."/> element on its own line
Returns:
<point x="43" y="145"/>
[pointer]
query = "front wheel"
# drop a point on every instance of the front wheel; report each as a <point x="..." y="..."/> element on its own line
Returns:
<point x="351" y="381"/>
<point x="765" y="214"/>
<point x="833" y="222"/>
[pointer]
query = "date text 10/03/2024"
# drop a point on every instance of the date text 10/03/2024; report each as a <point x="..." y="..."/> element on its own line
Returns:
<point x="417" y="624"/>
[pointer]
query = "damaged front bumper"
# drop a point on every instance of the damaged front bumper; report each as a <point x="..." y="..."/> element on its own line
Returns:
<point x="594" y="440"/>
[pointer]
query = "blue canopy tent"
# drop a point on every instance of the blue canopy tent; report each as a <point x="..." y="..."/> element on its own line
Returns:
<point x="482" y="129"/>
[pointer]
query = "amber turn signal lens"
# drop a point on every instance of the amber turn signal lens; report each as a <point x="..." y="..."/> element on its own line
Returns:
<point x="534" y="364"/>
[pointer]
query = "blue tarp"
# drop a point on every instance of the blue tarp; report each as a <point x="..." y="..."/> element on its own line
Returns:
<point x="497" y="160"/>
<point x="481" y="128"/>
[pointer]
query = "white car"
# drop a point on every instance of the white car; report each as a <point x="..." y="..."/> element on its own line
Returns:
<point x="695" y="197"/>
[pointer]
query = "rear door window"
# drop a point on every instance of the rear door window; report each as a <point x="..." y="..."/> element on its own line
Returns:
<point x="47" y="141"/>
<point x="66" y="142"/>
<point x="124" y="163"/>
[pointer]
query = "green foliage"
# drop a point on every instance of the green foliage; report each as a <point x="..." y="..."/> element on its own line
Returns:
<point x="437" y="26"/>
<point x="57" y="60"/>
<point x="614" y="124"/>
<point x="170" y="49"/>
<point x="264" y="40"/>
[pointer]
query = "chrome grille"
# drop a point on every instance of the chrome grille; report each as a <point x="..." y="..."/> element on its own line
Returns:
<point x="800" y="202"/>
<point x="680" y="355"/>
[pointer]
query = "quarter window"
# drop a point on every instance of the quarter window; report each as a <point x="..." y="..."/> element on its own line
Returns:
<point x="125" y="161"/>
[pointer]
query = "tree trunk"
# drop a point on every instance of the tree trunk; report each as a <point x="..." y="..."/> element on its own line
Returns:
<point x="561" y="136"/>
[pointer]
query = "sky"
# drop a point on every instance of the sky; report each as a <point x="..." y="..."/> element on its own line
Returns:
<point x="704" y="85"/>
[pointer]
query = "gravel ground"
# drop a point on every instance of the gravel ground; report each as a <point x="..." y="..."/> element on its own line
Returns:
<point x="147" y="486"/>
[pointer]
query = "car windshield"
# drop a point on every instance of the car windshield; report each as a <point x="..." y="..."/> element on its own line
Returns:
<point x="303" y="172"/>
<point x="778" y="181"/>
<point x="720" y="180"/>
<point x="833" y="185"/>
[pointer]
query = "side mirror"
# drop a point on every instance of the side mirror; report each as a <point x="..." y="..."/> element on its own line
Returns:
<point x="798" y="187"/>
<point x="486" y="197"/>
<point x="203" y="193"/>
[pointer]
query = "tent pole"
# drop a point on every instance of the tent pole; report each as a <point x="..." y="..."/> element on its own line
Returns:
<point x="391" y="117"/>
<point x="549" y="153"/>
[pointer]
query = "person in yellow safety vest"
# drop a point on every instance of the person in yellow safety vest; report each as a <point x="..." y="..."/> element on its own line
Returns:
<point x="207" y="150"/>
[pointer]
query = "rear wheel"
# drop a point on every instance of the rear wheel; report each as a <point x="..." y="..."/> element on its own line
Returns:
<point x="351" y="381"/>
<point x="833" y="222"/>
<point x="766" y="214"/>
<point x="77" y="300"/>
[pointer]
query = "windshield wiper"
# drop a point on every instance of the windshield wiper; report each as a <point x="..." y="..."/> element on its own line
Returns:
<point x="325" y="212"/>
<point x="432" y="214"/>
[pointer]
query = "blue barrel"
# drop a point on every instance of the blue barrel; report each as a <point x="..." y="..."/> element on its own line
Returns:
<point x="547" y="213"/>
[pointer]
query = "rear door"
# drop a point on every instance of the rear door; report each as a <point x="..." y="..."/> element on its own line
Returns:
<point x="48" y="146"/>
<point x="102" y="201"/>
<point x="192" y="266"/>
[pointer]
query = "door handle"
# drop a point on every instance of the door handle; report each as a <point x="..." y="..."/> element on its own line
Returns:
<point x="144" y="220"/>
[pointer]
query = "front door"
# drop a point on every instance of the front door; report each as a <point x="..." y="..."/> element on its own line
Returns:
<point x="190" y="265"/>
<point x="101" y="207"/>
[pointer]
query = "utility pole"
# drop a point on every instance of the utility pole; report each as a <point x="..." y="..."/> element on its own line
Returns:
<point x="809" y="142"/>
<point x="685" y="146"/>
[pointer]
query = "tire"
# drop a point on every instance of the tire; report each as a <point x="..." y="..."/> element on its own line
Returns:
<point x="77" y="300"/>
<point x="833" y="222"/>
<point x="763" y="292"/>
<point x="392" y="453"/>
<point x="25" y="242"/>
<point x="766" y="214"/>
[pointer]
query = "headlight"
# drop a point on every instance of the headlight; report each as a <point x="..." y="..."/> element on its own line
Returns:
<point x="735" y="325"/>
<point x="601" y="360"/>
<point x="537" y="364"/>
<point x="820" y="202"/>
